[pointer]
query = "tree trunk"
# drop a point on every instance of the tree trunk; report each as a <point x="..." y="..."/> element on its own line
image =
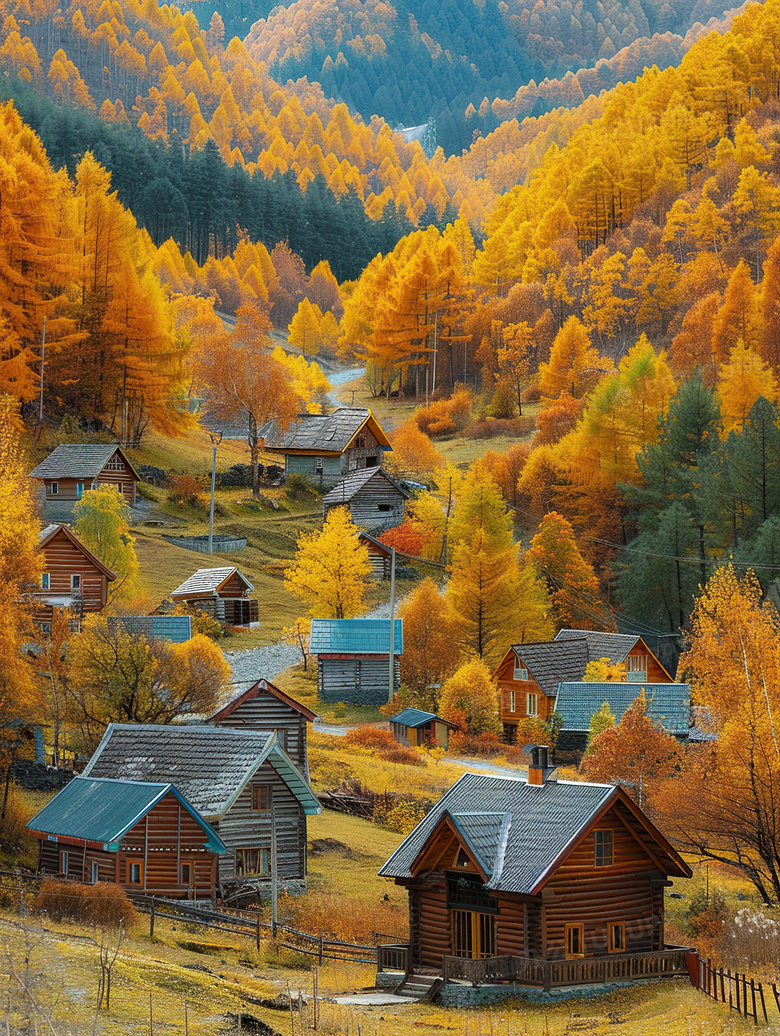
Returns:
<point x="253" y="454"/>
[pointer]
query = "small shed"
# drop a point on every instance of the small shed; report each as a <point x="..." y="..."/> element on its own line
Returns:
<point x="144" y="837"/>
<point x="379" y="555"/>
<point x="221" y="593"/>
<point x="667" y="703"/>
<point x="73" y="579"/>
<point x="353" y="659"/>
<point x="415" y="727"/>
<point x="75" y="468"/>
<point x="373" y="499"/>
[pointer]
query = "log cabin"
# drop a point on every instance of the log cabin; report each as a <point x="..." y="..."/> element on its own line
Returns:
<point x="327" y="447"/>
<point x="539" y="883"/>
<point x="241" y="782"/>
<point x="75" y="468"/>
<point x="668" y="704"/>
<point x="265" y="708"/>
<point x="220" y="593"/>
<point x="353" y="659"/>
<point x="73" y="579"/>
<point x="415" y="727"/>
<point x="379" y="555"/>
<point x="374" y="501"/>
<point x="146" y="838"/>
<point x="528" y="674"/>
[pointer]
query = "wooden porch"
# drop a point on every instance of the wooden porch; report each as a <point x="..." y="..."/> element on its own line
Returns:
<point x="546" y="974"/>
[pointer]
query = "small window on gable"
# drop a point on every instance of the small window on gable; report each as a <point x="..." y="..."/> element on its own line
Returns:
<point x="463" y="859"/>
<point x="636" y="668"/>
<point x="520" y="673"/>
<point x="602" y="841"/>
<point x="45" y="581"/>
<point x="261" y="797"/>
<point x="54" y="488"/>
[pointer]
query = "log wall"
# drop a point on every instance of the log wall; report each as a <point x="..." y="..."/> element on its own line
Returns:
<point x="63" y="559"/>
<point x="268" y="713"/>
<point x="357" y="680"/>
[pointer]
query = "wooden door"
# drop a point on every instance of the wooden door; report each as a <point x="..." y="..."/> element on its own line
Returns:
<point x="473" y="934"/>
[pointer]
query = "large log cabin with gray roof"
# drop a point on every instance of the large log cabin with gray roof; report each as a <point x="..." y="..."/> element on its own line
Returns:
<point x="540" y="883"/>
<point x="74" y="468"/>
<point x="73" y="580"/>
<point x="240" y="781"/>
<point x="328" y="447"/>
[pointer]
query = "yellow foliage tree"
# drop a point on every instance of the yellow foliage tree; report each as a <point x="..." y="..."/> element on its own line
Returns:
<point x="741" y="382"/>
<point x="330" y="569"/>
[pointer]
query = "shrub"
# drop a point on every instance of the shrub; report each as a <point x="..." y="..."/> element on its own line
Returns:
<point x="403" y="817"/>
<point x="299" y="487"/>
<point x="13" y="828"/>
<point x="446" y="416"/>
<point x="104" y="904"/>
<point x="706" y="912"/>
<point x="491" y="426"/>
<point x="401" y="754"/>
<point x="202" y="622"/>
<point x="185" y="489"/>
<point x="486" y="745"/>
<point x="370" y="739"/>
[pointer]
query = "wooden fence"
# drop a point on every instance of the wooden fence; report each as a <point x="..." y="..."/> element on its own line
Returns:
<point x="743" y="995"/>
<point x="247" y="923"/>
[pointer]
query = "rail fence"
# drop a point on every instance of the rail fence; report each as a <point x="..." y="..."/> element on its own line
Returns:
<point x="743" y="995"/>
<point x="248" y="923"/>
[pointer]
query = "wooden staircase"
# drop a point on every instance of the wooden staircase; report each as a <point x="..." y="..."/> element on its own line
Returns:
<point x="420" y="984"/>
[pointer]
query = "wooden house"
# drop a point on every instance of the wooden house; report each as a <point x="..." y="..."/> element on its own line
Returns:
<point x="265" y="708"/>
<point x="528" y="674"/>
<point x="73" y="579"/>
<point x="144" y="837"/>
<point x="327" y="447"/>
<point x="220" y="593"/>
<point x="353" y="659"/>
<point x="668" y="704"/>
<point x="75" y="468"/>
<point x="415" y="727"/>
<point x="374" y="501"/>
<point x="379" y="555"/>
<point x="545" y="883"/>
<point x="241" y="782"/>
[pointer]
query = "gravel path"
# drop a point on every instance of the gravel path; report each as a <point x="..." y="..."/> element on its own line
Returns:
<point x="263" y="662"/>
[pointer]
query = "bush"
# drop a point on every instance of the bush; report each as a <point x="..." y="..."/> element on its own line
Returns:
<point x="202" y="622"/>
<point x="370" y="739"/>
<point x="404" y="754"/>
<point x="185" y="489"/>
<point x="492" y="426"/>
<point x="299" y="487"/>
<point x="446" y="416"/>
<point x="486" y="745"/>
<point x="706" y="913"/>
<point x="104" y="904"/>
<point x="403" y="817"/>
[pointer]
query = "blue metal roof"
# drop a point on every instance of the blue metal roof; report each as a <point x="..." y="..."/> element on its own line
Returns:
<point x="416" y="718"/>
<point x="668" y="703"/>
<point x="354" y="637"/>
<point x="99" y="809"/>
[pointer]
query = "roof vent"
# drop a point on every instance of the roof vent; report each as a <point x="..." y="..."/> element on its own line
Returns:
<point x="539" y="770"/>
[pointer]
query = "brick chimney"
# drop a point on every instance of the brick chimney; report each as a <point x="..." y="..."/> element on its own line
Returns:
<point x="539" y="769"/>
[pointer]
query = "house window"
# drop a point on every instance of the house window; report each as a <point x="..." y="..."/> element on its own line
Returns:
<point x="473" y="934"/>
<point x="361" y="441"/>
<point x="616" y="934"/>
<point x="186" y="874"/>
<point x="114" y="464"/>
<point x="95" y="872"/>
<point x="79" y="490"/>
<point x="318" y="464"/>
<point x="463" y="859"/>
<point x="281" y="737"/>
<point x="602" y="841"/>
<point x="532" y="705"/>
<point x="384" y="507"/>
<point x="135" y="872"/>
<point x="575" y="940"/>
<point x="519" y="673"/>
<point x="512" y="701"/>
<point x="252" y="861"/>
<point x="75" y="581"/>
<point x="261" y="797"/>
<point x="45" y="581"/>
<point x="54" y="488"/>
<point x="636" y="668"/>
<point x="63" y="861"/>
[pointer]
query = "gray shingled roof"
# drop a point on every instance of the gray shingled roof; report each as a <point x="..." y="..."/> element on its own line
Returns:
<point x="667" y="703"/>
<point x="551" y="661"/>
<point x="45" y="533"/>
<point x="614" y="646"/>
<point x="540" y="821"/>
<point x="209" y="765"/>
<point x="330" y="433"/>
<point x="343" y="491"/>
<point x="76" y="460"/>
<point x="207" y="580"/>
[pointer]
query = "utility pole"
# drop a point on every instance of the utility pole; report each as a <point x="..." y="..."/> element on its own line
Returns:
<point x="391" y="689"/>
<point x="216" y="439"/>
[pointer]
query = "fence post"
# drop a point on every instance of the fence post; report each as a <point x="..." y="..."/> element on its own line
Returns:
<point x="731" y="1004"/>
<point x="777" y="996"/>
<point x="753" y="997"/>
<point x="722" y="987"/>
<point x="736" y="983"/>
<point x="151" y="920"/>
<point x="763" y="1002"/>
<point x="319" y="953"/>
<point x="744" y="995"/>
<point x="257" y="934"/>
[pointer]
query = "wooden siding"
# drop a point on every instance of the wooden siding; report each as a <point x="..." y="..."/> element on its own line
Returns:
<point x="230" y="611"/>
<point x="357" y="680"/>
<point x="655" y="672"/>
<point x="63" y="559"/>
<point x="380" y="563"/>
<point x="267" y="713"/>
<point x="378" y="505"/>
<point x="167" y="837"/>
<point x="244" y="828"/>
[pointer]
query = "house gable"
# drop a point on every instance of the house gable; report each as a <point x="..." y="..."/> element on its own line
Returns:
<point x="258" y="690"/>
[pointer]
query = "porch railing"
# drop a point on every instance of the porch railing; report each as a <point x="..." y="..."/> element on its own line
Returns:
<point x="394" y="957"/>
<point x="547" y="974"/>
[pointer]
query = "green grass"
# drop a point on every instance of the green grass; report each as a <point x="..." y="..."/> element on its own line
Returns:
<point x="302" y="685"/>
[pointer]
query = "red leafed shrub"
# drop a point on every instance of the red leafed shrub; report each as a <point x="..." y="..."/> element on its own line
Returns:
<point x="104" y="904"/>
<point x="462" y="743"/>
<point x="401" y="754"/>
<point x="370" y="739"/>
<point x="407" y="539"/>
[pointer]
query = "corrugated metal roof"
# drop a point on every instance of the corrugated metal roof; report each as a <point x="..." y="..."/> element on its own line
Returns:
<point x="175" y="628"/>
<point x="614" y="646"/>
<point x="551" y="661"/>
<point x="542" y="821"/>
<point x="415" y="717"/>
<point x="209" y="765"/>
<point x="345" y="490"/>
<point x="354" y="637"/>
<point x="103" y="810"/>
<point x="668" y="703"/>
<point x="208" y="580"/>
<point x="77" y="460"/>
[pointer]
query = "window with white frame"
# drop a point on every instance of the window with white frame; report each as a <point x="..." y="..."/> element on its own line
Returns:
<point x="512" y="701"/>
<point x="95" y="869"/>
<point x="636" y="668"/>
<point x="54" y="488"/>
<point x="64" y="861"/>
<point x="532" y="705"/>
<point x="520" y="672"/>
<point x="252" y="861"/>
